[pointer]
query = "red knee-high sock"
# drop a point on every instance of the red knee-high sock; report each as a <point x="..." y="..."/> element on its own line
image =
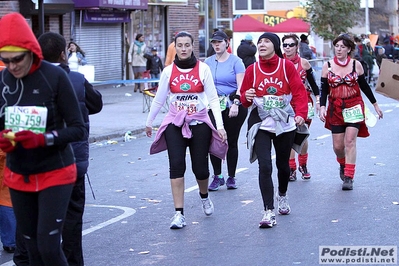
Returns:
<point x="292" y="163"/>
<point x="303" y="159"/>
<point x="341" y="160"/>
<point x="350" y="170"/>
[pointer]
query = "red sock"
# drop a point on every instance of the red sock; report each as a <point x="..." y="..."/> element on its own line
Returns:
<point x="341" y="160"/>
<point x="303" y="159"/>
<point x="350" y="170"/>
<point x="292" y="163"/>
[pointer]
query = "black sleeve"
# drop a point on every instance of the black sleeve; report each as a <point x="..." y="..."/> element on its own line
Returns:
<point x="324" y="91"/>
<point x="160" y="64"/>
<point x="312" y="82"/>
<point x="364" y="86"/>
<point x="93" y="99"/>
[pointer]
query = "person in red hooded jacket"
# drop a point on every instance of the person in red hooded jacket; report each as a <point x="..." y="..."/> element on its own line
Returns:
<point x="39" y="118"/>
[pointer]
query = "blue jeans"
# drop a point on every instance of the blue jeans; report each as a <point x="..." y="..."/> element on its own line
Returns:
<point x="8" y="226"/>
<point x="155" y="76"/>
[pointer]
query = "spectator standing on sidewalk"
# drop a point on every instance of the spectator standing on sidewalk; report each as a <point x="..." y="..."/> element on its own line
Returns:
<point x="272" y="87"/>
<point x="137" y="60"/>
<point x="304" y="49"/>
<point x="305" y="71"/>
<point x="342" y="80"/>
<point x="76" y="56"/>
<point x="247" y="50"/>
<point x="40" y="166"/>
<point x="190" y="87"/>
<point x="90" y="101"/>
<point x="154" y="65"/>
<point x="227" y="71"/>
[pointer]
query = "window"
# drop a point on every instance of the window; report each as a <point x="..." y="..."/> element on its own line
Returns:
<point x="249" y="5"/>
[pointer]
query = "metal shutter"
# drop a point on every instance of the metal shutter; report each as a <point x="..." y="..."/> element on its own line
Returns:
<point x="102" y="44"/>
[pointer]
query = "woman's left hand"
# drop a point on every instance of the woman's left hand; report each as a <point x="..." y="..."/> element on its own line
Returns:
<point x="222" y="133"/>
<point x="233" y="110"/>
<point x="378" y="111"/>
<point x="299" y="120"/>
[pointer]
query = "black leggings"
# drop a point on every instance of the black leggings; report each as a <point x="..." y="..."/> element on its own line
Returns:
<point x="262" y="147"/>
<point x="232" y="126"/>
<point x="40" y="218"/>
<point x="199" y="149"/>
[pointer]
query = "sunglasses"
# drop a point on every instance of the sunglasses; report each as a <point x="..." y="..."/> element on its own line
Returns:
<point x="289" y="45"/>
<point x="14" y="60"/>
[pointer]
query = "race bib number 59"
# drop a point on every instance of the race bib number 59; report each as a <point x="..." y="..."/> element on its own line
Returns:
<point x="31" y="118"/>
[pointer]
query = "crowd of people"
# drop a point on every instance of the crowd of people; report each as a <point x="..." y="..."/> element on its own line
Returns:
<point x="43" y="167"/>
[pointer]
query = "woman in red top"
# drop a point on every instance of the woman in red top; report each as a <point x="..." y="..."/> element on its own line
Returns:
<point x="278" y="101"/>
<point x="290" y="46"/>
<point x="341" y="80"/>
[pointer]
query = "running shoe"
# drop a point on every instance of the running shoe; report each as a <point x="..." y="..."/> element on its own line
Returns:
<point x="207" y="206"/>
<point x="268" y="219"/>
<point x="178" y="221"/>
<point x="283" y="206"/>
<point x="304" y="171"/>
<point x="231" y="183"/>
<point x="342" y="171"/>
<point x="347" y="184"/>
<point x="218" y="181"/>
<point x="292" y="175"/>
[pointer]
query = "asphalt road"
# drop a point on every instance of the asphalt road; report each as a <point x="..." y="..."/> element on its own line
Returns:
<point x="128" y="222"/>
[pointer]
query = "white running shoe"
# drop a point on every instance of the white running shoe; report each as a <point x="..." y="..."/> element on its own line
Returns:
<point x="283" y="206"/>
<point x="268" y="219"/>
<point x="207" y="206"/>
<point x="178" y="221"/>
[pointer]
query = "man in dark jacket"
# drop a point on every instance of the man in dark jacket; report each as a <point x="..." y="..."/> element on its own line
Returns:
<point x="154" y="65"/>
<point x="53" y="47"/>
<point x="247" y="50"/>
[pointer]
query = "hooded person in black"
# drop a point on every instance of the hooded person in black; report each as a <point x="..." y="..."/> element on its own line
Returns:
<point x="247" y="50"/>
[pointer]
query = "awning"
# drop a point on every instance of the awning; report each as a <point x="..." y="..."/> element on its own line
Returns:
<point x="121" y="4"/>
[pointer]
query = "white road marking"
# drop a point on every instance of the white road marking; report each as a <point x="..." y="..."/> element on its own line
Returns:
<point x="126" y="213"/>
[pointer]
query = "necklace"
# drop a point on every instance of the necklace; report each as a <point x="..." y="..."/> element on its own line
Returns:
<point x="220" y="58"/>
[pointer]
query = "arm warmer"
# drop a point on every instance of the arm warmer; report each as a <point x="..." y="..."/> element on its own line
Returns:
<point x="312" y="82"/>
<point x="324" y="91"/>
<point x="364" y="86"/>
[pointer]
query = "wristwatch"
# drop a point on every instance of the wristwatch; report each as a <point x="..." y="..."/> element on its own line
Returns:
<point x="49" y="139"/>
<point x="236" y="102"/>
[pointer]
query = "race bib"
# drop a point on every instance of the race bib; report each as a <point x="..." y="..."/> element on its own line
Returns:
<point x="223" y="102"/>
<point x="31" y="118"/>
<point x="272" y="101"/>
<point x="310" y="111"/>
<point x="353" y="114"/>
<point x="188" y="106"/>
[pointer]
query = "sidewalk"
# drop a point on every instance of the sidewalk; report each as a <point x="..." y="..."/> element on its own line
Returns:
<point x="122" y="112"/>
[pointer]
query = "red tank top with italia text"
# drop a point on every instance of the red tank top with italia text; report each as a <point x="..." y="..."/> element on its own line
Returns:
<point x="189" y="82"/>
<point x="273" y="83"/>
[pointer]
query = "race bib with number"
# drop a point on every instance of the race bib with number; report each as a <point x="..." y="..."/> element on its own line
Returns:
<point x="310" y="111"/>
<point x="31" y="118"/>
<point x="353" y="114"/>
<point x="272" y="101"/>
<point x="189" y="106"/>
<point x="223" y="102"/>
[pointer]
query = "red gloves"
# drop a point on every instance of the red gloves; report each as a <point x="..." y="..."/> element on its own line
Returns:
<point x="5" y="143"/>
<point x="30" y="140"/>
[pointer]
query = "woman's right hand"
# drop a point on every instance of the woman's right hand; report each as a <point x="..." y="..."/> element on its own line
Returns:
<point x="322" y="113"/>
<point x="250" y="94"/>
<point x="148" y="131"/>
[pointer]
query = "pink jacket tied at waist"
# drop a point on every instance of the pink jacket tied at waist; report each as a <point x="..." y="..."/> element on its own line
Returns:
<point x="181" y="119"/>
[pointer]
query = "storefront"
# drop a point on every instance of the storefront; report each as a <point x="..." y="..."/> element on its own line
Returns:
<point x="99" y="29"/>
